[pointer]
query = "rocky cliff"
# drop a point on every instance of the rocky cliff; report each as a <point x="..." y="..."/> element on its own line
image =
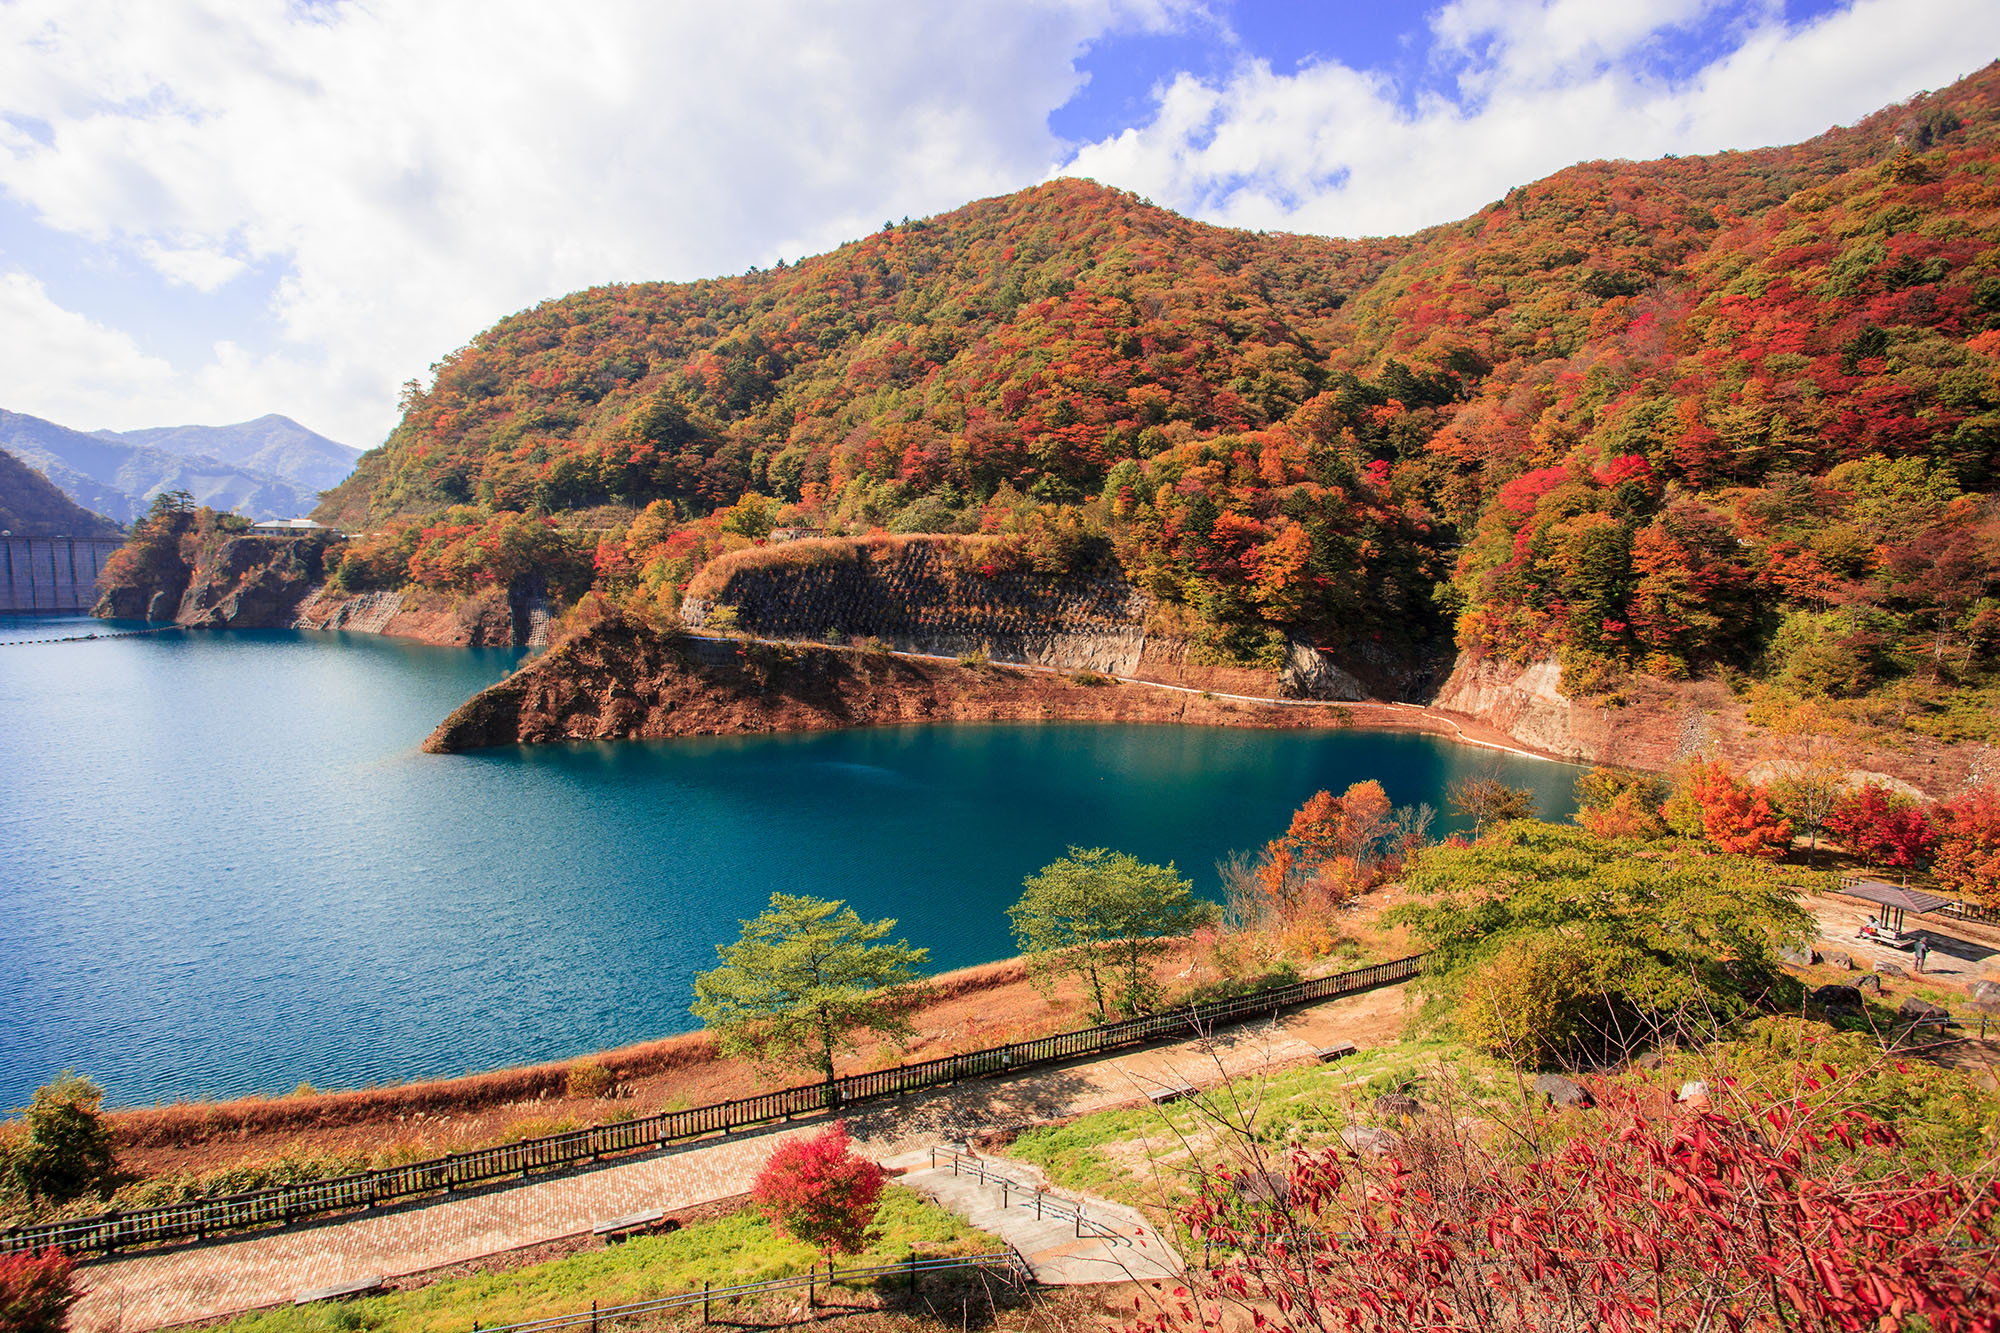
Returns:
<point x="1654" y="723"/>
<point x="619" y="679"/>
<point x="977" y="596"/>
<point x="223" y="581"/>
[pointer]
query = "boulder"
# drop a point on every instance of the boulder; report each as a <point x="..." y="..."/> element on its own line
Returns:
<point x="1891" y="970"/>
<point x="1692" y="1089"/>
<point x="1986" y="990"/>
<point x="1799" y="956"/>
<point x="1913" y="1010"/>
<point x="1839" y="962"/>
<point x="1367" y="1141"/>
<point x="1871" y="982"/>
<point x="1836" y="997"/>
<point x="1563" y="1091"/>
<point x="1397" y="1104"/>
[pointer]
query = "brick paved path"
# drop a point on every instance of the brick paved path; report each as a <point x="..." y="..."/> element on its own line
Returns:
<point x="200" y="1282"/>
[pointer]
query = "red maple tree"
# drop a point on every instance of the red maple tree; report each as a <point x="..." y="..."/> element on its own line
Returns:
<point x="1886" y="828"/>
<point x="818" y="1190"/>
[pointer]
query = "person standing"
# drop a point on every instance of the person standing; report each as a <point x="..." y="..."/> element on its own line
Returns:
<point x="1923" y="951"/>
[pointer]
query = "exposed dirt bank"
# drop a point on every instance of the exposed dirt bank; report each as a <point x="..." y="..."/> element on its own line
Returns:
<point x="1659" y="722"/>
<point x="623" y="680"/>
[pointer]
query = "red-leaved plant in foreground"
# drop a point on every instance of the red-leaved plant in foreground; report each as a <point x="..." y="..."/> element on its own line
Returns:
<point x="1771" y="1215"/>
<point x="35" y="1291"/>
<point x="819" y="1191"/>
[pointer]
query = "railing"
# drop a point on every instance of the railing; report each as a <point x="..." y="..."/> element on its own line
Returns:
<point x="1012" y="1268"/>
<point x="1044" y="1203"/>
<point x="1965" y="911"/>
<point x="285" y="1204"/>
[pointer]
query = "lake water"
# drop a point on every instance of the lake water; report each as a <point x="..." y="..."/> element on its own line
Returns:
<point x="225" y="867"/>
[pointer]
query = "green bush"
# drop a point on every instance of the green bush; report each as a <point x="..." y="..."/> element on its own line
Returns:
<point x="66" y="1152"/>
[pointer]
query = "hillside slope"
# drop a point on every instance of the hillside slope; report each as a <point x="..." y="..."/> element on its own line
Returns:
<point x="31" y="506"/>
<point x="1733" y="414"/>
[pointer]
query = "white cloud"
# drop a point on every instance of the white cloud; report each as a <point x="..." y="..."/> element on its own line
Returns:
<point x="70" y="369"/>
<point x="418" y="170"/>
<point x="196" y="266"/>
<point x="61" y="365"/>
<point x="1542" y="85"/>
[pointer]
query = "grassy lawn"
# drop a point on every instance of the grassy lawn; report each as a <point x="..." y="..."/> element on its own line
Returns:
<point x="725" y="1252"/>
<point x="1137" y="1155"/>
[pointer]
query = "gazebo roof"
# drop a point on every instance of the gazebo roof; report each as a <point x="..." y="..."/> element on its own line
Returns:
<point x="1889" y="895"/>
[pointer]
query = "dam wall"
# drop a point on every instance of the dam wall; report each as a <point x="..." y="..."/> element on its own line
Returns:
<point x="51" y="574"/>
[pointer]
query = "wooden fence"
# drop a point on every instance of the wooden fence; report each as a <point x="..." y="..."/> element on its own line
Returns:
<point x="281" y="1205"/>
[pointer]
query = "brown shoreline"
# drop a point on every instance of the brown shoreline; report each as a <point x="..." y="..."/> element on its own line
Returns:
<point x="619" y="680"/>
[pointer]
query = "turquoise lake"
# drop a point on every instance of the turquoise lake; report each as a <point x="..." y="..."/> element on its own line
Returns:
<point x="226" y="868"/>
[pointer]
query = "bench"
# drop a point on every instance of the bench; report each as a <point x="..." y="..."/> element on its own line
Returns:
<point x="1169" y="1092"/>
<point x="361" y="1286"/>
<point x="1326" y="1055"/>
<point x="618" y="1228"/>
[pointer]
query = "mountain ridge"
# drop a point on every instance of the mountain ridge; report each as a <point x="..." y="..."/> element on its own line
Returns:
<point x="117" y="477"/>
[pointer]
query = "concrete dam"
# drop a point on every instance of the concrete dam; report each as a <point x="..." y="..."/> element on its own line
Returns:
<point x="51" y="573"/>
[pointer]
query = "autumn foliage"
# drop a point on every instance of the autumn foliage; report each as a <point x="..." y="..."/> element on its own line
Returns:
<point x="36" y="1291"/>
<point x="1738" y="817"/>
<point x="1886" y="828"/>
<point x="1968" y="849"/>
<point x="1654" y="416"/>
<point x="1777" y="1213"/>
<point x="817" y="1190"/>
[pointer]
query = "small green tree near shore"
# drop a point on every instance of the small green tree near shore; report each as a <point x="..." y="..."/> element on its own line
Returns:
<point x="1104" y="916"/>
<point x="805" y="976"/>
<point x="66" y="1152"/>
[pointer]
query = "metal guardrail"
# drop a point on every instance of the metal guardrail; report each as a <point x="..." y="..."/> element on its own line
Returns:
<point x="1013" y="1268"/>
<point x="1045" y="1204"/>
<point x="282" y="1205"/>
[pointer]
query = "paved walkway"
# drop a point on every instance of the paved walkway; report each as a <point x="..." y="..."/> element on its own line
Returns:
<point x="1100" y="1242"/>
<point x="200" y="1282"/>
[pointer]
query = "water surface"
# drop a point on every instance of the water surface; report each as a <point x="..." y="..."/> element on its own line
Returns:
<point x="226" y="868"/>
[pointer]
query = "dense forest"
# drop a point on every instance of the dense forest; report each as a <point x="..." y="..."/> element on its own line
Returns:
<point x="1733" y="414"/>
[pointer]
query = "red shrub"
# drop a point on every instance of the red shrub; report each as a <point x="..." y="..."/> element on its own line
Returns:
<point x="818" y="1190"/>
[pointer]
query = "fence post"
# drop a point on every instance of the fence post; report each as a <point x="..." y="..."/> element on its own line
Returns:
<point x="913" y="1272"/>
<point x="812" y="1294"/>
<point x="1003" y="1193"/>
<point x="593" y="1317"/>
<point x="704" y="1300"/>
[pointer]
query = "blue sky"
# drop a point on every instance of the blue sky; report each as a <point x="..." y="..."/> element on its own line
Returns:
<point x="211" y="209"/>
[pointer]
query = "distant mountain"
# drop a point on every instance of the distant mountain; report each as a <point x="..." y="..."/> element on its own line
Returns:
<point x="272" y="444"/>
<point x="32" y="506"/>
<point x="119" y="478"/>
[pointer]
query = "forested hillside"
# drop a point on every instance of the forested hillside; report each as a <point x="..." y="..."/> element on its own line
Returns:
<point x="31" y="506"/>
<point x="1735" y="413"/>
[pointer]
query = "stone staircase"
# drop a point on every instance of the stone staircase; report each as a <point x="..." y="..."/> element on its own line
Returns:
<point x="1067" y="1239"/>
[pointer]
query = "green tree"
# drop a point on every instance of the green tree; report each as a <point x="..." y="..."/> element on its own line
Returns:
<point x="1104" y="916"/>
<point x="1662" y="941"/>
<point x="806" y="975"/>
<point x="66" y="1152"/>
